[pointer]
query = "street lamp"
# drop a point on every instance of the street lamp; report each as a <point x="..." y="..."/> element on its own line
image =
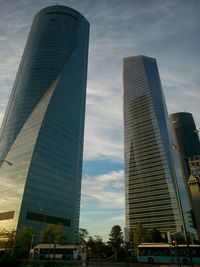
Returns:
<point x="31" y="247"/>
<point x="180" y="203"/>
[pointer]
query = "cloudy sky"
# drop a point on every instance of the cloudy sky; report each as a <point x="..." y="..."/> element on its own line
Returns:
<point x="165" y="29"/>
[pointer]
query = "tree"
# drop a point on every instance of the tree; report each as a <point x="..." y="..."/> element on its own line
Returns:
<point x="83" y="235"/>
<point x="54" y="233"/>
<point x="25" y="240"/>
<point x="139" y="235"/>
<point x="155" y="236"/>
<point x="7" y="238"/>
<point x="116" y="239"/>
<point x="95" y="246"/>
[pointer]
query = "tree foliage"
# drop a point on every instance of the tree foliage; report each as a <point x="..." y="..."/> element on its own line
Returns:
<point x="116" y="239"/>
<point x="154" y="236"/>
<point x="54" y="233"/>
<point x="96" y="247"/>
<point x="25" y="237"/>
<point x="7" y="238"/>
<point x="139" y="235"/>
<point x="24" y="241"/>
<point x="83" y="235"/>
<point x="116" y="236"/>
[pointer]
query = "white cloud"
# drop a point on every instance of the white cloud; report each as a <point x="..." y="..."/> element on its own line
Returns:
<point x="101" y="226"/>
<point x="103" y="129"/>
<point x="106" y="189"/>
<point x="103" y="203"/>
<point x="182" y="94"/>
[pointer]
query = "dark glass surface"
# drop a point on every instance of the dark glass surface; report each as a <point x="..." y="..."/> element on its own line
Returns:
<point x="188" y="147"/>
<point x="149" y="185"/>
<point x="42" y="131"/>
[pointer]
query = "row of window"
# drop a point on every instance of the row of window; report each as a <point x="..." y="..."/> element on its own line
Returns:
<point x="129" y="95"/>
<point x="144" y="205"/>
<point x="144" y="199"/>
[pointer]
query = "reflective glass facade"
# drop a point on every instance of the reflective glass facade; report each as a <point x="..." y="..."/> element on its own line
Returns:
<point x="186" y="139"/>
<point x="149" y="186"/>
<point x="194" y="185"/>
<point x="43" y="127"/>
<point x="188" y="147"/>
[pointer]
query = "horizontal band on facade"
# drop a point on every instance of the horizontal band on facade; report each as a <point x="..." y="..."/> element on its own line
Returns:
<point x="61" y="13"/>
<point x="7" y="215"/>
<point x="33" y="216"/>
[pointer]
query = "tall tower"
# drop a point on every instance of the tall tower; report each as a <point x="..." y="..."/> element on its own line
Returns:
<point x="188" y="146"/>
<point x="43" y="128"/>
<point x="149" y="185"/>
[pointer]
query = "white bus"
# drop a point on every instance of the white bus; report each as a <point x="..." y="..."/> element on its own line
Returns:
<point x="167" y="253"/>
<point x="50" y="251"/>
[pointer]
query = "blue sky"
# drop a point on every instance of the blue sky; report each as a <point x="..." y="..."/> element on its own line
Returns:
<point x="165" y="29"/>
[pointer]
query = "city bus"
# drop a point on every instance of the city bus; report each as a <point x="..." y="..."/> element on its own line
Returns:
<point x="50" y="251"/>
<point x="167" y="253"/>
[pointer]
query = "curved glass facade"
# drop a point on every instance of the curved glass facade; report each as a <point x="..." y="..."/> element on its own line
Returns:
<point x="149" y="186"/>
<point x="43" y="127"/>
<point x="186" y="138"/>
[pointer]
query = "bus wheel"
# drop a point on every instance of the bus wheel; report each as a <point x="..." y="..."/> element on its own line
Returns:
<point x="150" y="260"/>
<point x="185" y="262"/>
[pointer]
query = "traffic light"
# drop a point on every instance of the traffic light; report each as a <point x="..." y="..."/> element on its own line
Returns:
<point x="173" y="242"/>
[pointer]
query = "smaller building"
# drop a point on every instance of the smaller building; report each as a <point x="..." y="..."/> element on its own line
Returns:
<point x="194" y="185"/>
<point x="188" y="148"/>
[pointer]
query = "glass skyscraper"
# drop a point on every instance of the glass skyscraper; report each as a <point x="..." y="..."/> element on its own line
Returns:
<point x="149" y="184"/>
<point x="43" y="127"/>
<point x="188" y="147"/>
